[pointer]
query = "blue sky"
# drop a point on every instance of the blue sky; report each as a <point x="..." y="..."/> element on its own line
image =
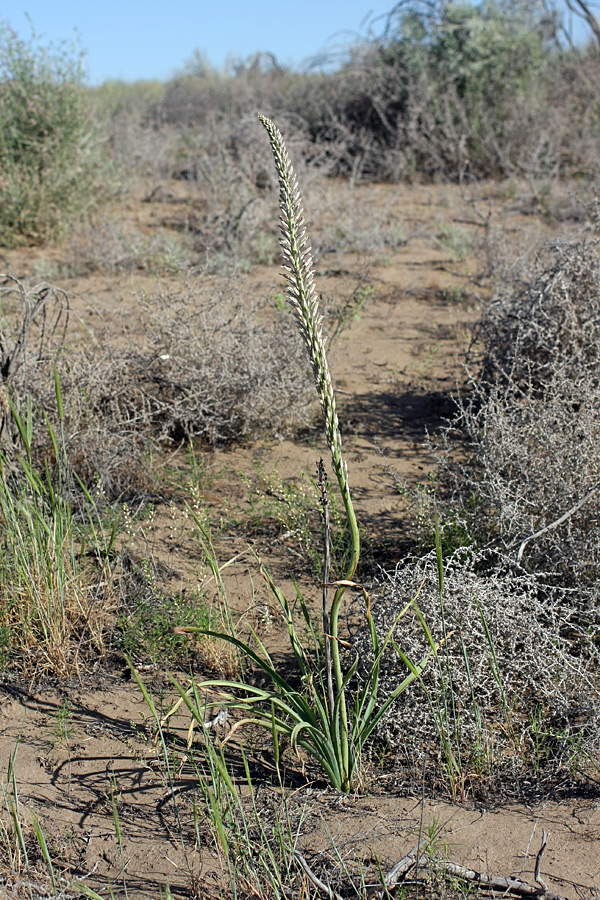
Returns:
<point x="132" y="39"/>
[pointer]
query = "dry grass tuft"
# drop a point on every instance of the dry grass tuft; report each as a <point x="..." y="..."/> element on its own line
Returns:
<point x="55" y="612"/>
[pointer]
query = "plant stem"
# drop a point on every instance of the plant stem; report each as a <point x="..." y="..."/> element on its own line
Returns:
<point x="322" y="482"/>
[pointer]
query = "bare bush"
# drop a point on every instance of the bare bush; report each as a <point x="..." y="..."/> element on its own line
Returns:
<point x="203" y="364"/>
<point x="513" y="690"/>
<point x="459" y="93"/>
<point x="33" y="325"/>
<point x="349" y="225"/>
<point x="228" y="192"/>
<point x="140" y="143"/>
<point x="108" y="244"/>
<point x="227" y="166"/>
<point x="531" y="418"/>
<point x="549" y="318"/>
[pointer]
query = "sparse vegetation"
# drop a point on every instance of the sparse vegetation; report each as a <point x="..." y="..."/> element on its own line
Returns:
<point x="154" y="384"/>
<point x="290" y="511"/>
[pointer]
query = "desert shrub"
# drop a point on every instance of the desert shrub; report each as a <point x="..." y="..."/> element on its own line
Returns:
<point x="134" y="98"/>
<point x="576" y="93"/>
<point x="227" y="185"/>
<point x="547" y="319"/>
<point x="49" y="146"/>
<point x="513" y="691"/>
<point x="201" y="364"/>
<point x="225" y="165"/>
<point x="450" y="90"/>
<point x="227" y="169"/>
<point x="348" y="224"/>
<point x="529" y="423"/>
<point x="138" y="142"/>
<point x="107" y="244"/>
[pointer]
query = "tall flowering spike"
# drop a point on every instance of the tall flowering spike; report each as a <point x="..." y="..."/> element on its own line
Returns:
<point x="302" y="296"/>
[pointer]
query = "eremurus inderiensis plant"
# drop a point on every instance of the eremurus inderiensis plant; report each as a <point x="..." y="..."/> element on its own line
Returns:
<point x="318" y="715"/>
<point x="302" y="297"/>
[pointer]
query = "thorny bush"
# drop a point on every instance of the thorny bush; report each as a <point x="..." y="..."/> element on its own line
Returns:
<point x="513" y="694"/>
<point x="199" y="363"/>
<point x="530" y="421"/>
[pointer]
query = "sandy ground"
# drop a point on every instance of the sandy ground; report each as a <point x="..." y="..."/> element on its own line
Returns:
<point x="106" y="751"/>
<point x="394" y="368"/>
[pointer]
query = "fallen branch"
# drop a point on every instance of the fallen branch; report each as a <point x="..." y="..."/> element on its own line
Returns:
<point x="398" y="871"/>
<point x="507" y="885"/>
<point x="538" y="863"/>
<point x="320" y="886"/>
<point x="510" y="885"/>
<point x="557" y="522"/>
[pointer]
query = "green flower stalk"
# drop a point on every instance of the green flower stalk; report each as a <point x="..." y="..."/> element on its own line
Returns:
<point x="298" y="268"/>
<point x="302" y="297"/>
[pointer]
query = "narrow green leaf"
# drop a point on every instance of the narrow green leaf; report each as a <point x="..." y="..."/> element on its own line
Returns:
<point x="41" y="839"/>
<point x="58" y="392"/>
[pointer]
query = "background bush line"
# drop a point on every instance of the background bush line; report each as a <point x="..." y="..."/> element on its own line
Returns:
<point x="447" y="91"/>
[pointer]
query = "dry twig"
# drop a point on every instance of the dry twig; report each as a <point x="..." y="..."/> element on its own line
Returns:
<point x="320" y="886"/>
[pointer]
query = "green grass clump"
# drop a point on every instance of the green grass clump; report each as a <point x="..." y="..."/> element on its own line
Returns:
<point x="49" y="146"/>
<point x="55" y="574"/>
